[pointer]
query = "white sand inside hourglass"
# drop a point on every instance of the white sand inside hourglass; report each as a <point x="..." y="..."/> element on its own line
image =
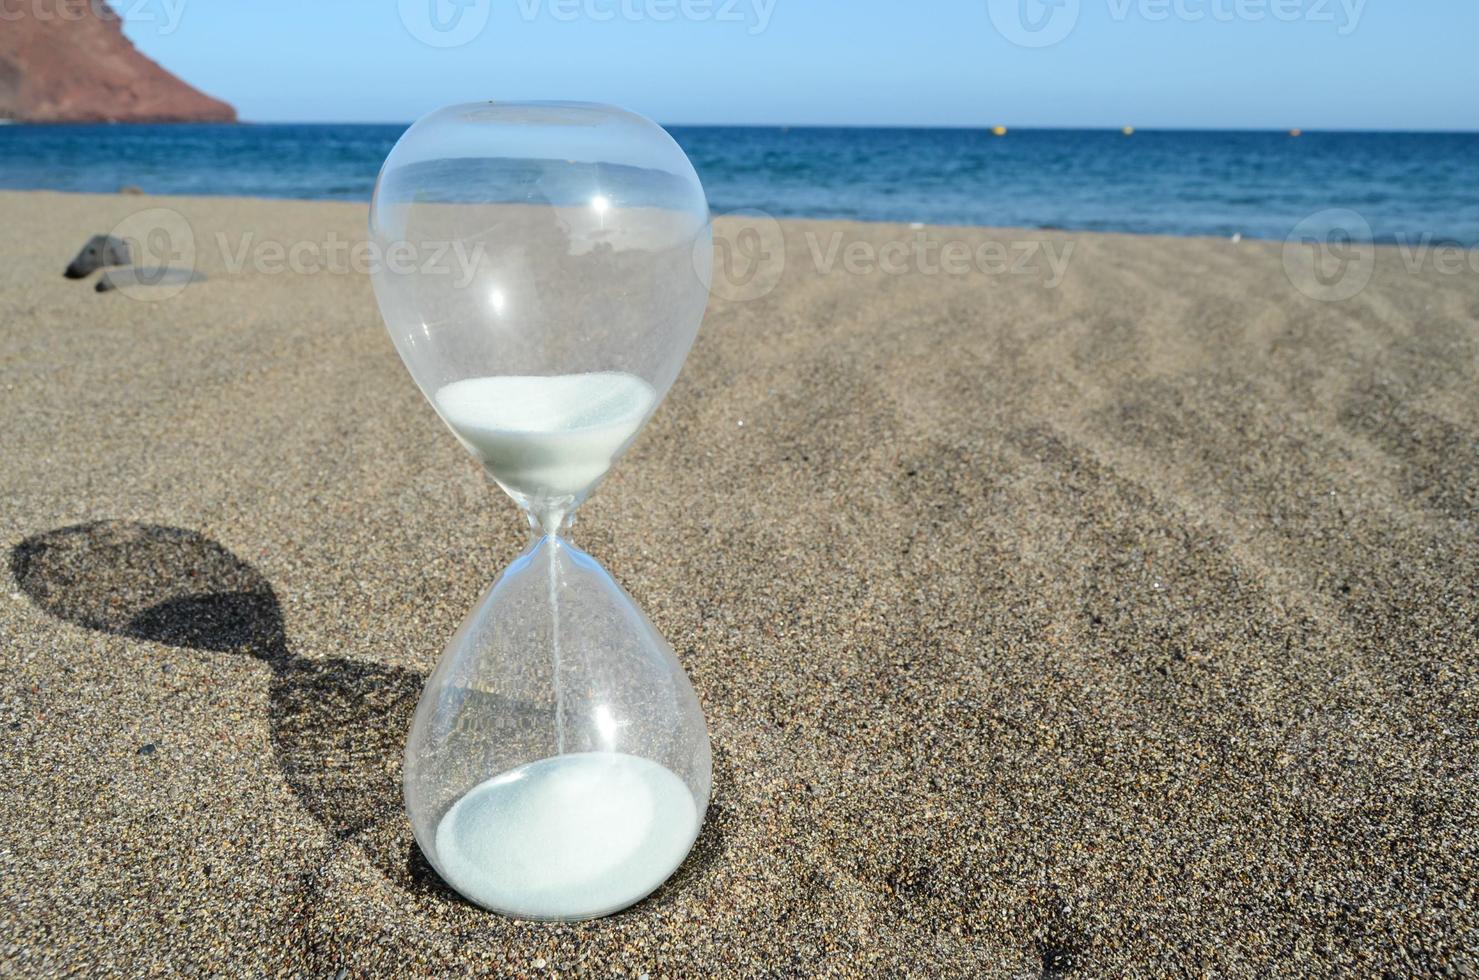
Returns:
<point x="547" y="437"/>
<point x="569" y="837"/>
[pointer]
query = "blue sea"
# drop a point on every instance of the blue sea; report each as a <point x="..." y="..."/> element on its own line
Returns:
<point x="1407" y="186"/>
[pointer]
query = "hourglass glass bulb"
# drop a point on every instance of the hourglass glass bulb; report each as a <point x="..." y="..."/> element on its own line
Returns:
<point x="558" y="255"/>
<point x="563" y="785"/>
<point x="558" y="764"/>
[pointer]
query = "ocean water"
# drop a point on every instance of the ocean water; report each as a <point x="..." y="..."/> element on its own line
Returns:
<point x="1407" y="186"/>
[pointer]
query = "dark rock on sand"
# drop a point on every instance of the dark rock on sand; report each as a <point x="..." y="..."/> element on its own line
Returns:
<point x="99" y="252"/>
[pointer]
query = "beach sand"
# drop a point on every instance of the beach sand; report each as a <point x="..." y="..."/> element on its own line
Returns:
<point x="1125" y="627"/>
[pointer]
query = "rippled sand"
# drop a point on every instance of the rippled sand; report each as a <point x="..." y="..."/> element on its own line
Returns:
<point x="1122" y="628"/>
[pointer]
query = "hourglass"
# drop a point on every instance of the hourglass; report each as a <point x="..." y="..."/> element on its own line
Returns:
<point x="542" y="273"/>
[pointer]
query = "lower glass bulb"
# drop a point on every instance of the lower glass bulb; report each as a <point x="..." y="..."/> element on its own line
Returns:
<point x="558" y="765"/>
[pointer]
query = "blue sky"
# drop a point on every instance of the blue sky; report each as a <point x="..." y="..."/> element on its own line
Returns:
<point x="1347" y="64"/>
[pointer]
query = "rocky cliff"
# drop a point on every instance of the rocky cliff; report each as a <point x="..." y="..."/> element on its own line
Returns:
<point x="68" y="61"/>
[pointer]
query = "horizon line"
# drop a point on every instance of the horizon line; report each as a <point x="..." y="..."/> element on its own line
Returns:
<point x="968" y="127"/>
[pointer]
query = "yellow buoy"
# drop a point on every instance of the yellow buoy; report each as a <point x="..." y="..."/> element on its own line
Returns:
<point x="1296" y="132"/>
<point x="998" y="130"/>
<point x="1128" y="130"/>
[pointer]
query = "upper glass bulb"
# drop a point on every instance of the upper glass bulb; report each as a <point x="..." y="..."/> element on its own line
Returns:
<point x="543" y="271"/>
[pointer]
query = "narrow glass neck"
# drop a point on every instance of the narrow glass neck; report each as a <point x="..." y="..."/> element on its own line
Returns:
<point x="550" y="521"/>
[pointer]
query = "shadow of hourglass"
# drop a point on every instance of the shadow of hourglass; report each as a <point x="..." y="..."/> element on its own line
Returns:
<point x="338" y="727"/>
